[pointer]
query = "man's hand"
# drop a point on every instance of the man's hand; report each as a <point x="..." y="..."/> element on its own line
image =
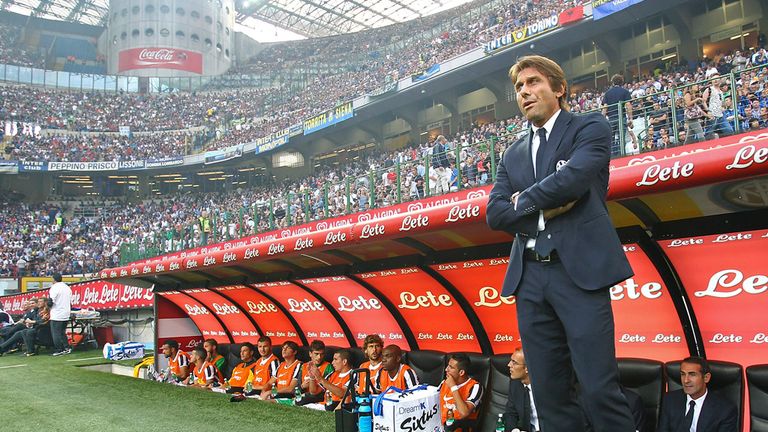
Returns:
<point x="513" y="199"/>
<point x="449" y="381"/>
<point x="314" y="372"/>
<point x="552" y="213"/>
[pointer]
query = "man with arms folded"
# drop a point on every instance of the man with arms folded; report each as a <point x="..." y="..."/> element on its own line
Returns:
<point x="694" y="408"/>
<point x="178" y="361"/>
<point x="265" y="369"/>
<point x="288" y="373"/>
<point x="460" y="396"/>
<point x="243" y="372"/>
<point x="372" y="347"/>
<point x="316" y="357"/>
<point x="204" y="374"/>
<point x="335" y="383"/>
<point x="394" y="373"/>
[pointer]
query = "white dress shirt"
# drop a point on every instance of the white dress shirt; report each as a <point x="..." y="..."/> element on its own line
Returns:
<point x="534" y="414"/>
<point x="696" y="409"/>
<point x="548" y="126"/>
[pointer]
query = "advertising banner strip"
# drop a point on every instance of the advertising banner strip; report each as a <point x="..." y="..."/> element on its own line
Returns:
<point x="9" y="167"/>
<point x="603" y="8"/>
<point x="162" y="163"/>
<point x="239" y="326"/>
<point x="427" y="74"/>
<point x="131" y="165"/>
<point x="160" y="58"/>
<point x="32" y="166"/>
<point x="524" y="33"/>
<point x="84" y="166"/>
<point x="329" y="118"/>
<point x="217" y="156"/>
<point x="263" y="311"/>
<point x="203" y="318"/>
<point x="100" y="296"/>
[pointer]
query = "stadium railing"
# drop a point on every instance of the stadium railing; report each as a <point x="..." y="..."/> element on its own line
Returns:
<point x="293" y="208"/>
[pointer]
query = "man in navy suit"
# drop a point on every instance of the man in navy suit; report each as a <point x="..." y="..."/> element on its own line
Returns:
<point x="694" y="408"/>
<point x="550" y="195"/>
<point x="520" y="412"/>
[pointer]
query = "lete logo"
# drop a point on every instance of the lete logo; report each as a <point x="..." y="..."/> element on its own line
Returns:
<point x="736" y="282"/>
<point x="655" y="173"/>
<point x="458" y="213"/>
<point x="747" y="156"/>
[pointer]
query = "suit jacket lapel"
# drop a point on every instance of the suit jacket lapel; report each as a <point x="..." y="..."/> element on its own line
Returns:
<point x="707" y="410"/>
<point x="554" y="141"/>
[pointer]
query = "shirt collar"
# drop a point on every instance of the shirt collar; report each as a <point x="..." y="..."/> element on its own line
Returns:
<point x="549" y="125"/>
<point x="699" y="401"/>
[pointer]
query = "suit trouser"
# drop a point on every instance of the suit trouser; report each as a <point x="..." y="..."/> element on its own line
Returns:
<point x="567" y="330"/>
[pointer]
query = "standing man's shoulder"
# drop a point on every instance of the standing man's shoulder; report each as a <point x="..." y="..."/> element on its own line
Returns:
<point x="595" y="121"/>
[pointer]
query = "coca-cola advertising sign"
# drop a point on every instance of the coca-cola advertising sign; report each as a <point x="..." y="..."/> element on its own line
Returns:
<point x="432" y="313"/>
<point x="160" y="58"/>
<point x="270" y="318"/>
<point x="726" y="280"/>
<point x="203" y="318"/>
<point x="360" y="309"/>
<point x="239" y="326"/>
<point x="313" y="317"/>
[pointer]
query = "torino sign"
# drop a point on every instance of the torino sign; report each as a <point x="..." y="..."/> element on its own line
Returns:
<point x="160" y="58"/>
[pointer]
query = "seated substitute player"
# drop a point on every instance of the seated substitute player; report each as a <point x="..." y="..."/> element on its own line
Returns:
<point x="243" y="372"/>
<point x="393" y="372"/>
<point x="316" y="357"/>
<point x="265" y="369"/>
<point x="288" y="373"/>
<point x="178" y="361"/>
<point x="372" y="347"/>
<point x="460" y="395"/>
<point x="204" y="373"/>
<point x="335" y="383"/>
<point x="213" y="356"/>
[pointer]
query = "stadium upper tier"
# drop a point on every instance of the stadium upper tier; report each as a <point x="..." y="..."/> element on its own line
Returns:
<point x="37" y="238"/>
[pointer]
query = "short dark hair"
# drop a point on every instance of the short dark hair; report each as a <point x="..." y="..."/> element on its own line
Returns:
<point x="249" y="345"/>
<point x="550" y="69"/>
<point x="617" y="79"/>
<point x="292" y="345"/>
<point x="317" y="345"/>
<point x="462" y="361"/>
<point x="171" y="343"/>
<point x="265" y="339"/>
<point x="701" y="361"/>
<point x="56" y="277"/>
<point x="211" y="342"/>
<point x="344" y="354"/>
<point x="200" y="351"/>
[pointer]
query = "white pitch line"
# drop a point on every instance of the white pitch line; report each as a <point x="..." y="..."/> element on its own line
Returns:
<point x="12" y="366"/>
<point x="84" y="359"/>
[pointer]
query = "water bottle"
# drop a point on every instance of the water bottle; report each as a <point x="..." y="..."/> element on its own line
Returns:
<point x="297" y="395"/>
<point x="328" y="398"/>
<point x="365" y="418"/>
<point x="226" y="384"/>
<point x="449" y="418"/>
<point x="174" y="378"/>
<point x="500" y="423"/>
<point x="248" y="387"/>
<point x="274" y="391"/>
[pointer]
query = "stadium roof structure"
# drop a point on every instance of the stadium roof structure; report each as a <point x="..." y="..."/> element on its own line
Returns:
<point x="308" y="18"/>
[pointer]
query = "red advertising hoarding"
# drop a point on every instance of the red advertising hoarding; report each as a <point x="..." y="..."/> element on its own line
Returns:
<point x="726" y="280"/>
<point x="360" y="309"/>
<point x="240" y="327"/>
<point x="270" y="318"/>
<point x="101" y="296"/>
<point x="647" y="324"/>
<point x="434" y="316"/>
<point x="480" y="283"/>
<point x="160" y="58"/>
<point x="174" y="323"/>
<point x="209" y="326"/>
<point x="311" y="315"/>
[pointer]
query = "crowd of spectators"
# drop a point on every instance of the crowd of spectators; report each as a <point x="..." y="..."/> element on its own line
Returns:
<point x="13" y="52"/>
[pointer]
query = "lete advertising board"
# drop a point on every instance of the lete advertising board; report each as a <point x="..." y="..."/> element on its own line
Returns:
<point x="236" y="322"/>
<point x="726" y="281"/>
<point x="209" y="326"/>
<point x="266" y="314"/>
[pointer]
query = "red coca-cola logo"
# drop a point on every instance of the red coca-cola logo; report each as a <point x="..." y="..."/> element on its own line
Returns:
<point x="162" y="55"/>
<point x="166" y="58"/>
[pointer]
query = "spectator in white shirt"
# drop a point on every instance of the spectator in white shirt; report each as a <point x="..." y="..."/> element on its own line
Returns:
<point x="61" y="296"/>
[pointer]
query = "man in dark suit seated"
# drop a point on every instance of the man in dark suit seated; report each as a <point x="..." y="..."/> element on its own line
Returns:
<point x="694" y="408"/>
<point x="520" y="413"/>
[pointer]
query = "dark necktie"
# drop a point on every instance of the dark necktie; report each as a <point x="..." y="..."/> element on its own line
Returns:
<point x="527" y="407"/>
<point x="688" y="420"/>
<point x="540" y="171"/>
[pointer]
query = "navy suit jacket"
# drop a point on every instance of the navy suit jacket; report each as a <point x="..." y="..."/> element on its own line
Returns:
<point x="515" y="413"/>
<point x="575" y="164"/>
<point x="717" y="414"/>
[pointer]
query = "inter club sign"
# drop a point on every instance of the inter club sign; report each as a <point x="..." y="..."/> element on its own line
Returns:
<point x="160" y="58"/>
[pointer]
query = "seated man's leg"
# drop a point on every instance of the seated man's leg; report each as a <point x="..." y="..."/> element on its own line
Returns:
<point x="29" y="336"/>
<point x="11" y="342"/>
